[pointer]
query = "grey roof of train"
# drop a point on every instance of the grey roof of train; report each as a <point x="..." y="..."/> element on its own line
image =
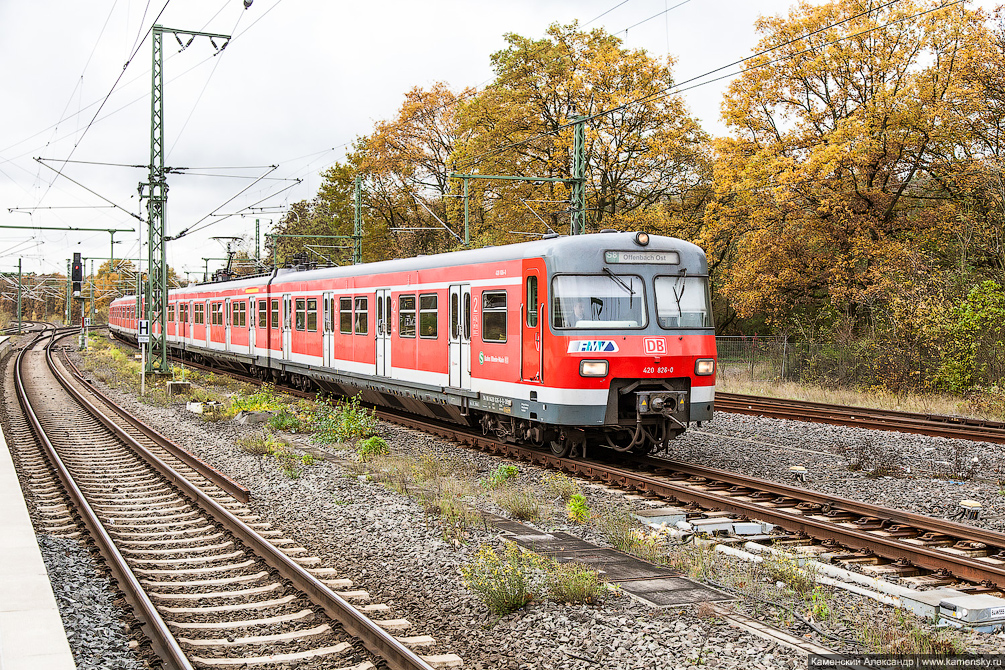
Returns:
<point x="579" y="246"/>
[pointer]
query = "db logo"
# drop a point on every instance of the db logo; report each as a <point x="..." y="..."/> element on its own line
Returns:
<point x="654" y="346"/>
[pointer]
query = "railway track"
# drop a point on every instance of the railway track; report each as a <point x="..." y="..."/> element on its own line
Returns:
<point x="904" y="541"/>
<point x="204" y="583"/>
<point x="935" y="425"/>
<point x="894" y="541"/>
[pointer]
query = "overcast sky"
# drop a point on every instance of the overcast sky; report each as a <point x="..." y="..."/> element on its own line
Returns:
<point x="300" y="80"/>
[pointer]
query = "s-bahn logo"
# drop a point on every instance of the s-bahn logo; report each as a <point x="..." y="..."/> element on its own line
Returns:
<point x="592" y="346"/>
<point x="654" y="346"/>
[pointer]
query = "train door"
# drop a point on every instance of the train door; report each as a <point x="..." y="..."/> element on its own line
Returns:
<point x="460" y="336"/>
<point x="226" y="324"/>
<point x="383" y="332"/>
<point x="532" y="314"/>
<point x="328" y="331"/>
<point x="287" y="324"/>
<point x="206" y="319"/>
<point x="252" y="325"/>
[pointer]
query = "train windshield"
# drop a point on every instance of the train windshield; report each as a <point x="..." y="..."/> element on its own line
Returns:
<point x="682" y="302"/>
<point x="598" y="301"/>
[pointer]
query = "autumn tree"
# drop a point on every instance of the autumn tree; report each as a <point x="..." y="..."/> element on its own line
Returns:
<point x="406" y="164"/>
<point x="644" y="151"/>
<point x="306" y="228"/>
<point x="830" y="189"/>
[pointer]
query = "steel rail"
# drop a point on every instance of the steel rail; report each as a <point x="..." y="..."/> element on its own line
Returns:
<point x="933" y="425"/>
<point x="826" y="502"/>
<point x="227" y="484"/>
<point x="373" y="637"/>
<point x="164" y="643"/>
<point x="887" y="547"/>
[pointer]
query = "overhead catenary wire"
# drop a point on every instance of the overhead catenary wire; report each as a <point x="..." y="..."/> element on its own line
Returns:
<point x="654" y="16"/>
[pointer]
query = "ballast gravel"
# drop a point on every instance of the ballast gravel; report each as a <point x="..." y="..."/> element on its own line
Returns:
<point x="388" y="546"/>
<point x="92" y="621"/>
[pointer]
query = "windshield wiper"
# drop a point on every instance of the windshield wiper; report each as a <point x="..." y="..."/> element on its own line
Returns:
<point x="620" y="281"/>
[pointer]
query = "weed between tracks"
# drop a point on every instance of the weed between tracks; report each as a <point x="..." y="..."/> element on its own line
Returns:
<point x="782" y="590"/>
<point x="510" y="579"/>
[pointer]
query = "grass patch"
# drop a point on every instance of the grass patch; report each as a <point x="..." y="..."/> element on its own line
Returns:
<point x="371" y="447"/>
<point x="500" y="476"/>
<point x="267" y="445"/>
<point x="264" y="399"/>
<point x="560" y="485"/>
<point x="510" y="579"/>
<point x="342" y="421"/>
<point x="899" y="633"/>
<point x="520" y="503"/>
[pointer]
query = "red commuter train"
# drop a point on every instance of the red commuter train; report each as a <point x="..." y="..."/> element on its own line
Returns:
<point x="601" y="339"/>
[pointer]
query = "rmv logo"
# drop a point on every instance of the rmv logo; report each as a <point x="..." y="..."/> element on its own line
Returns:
<point x="592" y="346"/>
<point x="654" y="346"/>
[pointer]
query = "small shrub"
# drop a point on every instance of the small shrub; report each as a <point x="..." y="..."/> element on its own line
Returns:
<point x="900" y="633"/>
<point x="560" y="485"/>
<point x="520" y="503"/>
<point x="454" y="516"/>
<point x="577" y="584"/>
<point x="500" y="476"/>
<point x="787" y="570"/>
<point x="819" y="609"/>
<point x="505" y="581"/>
<point x="343" y="421"/>
<point x="374" y="446"/>
<point x="577" y="509"/>
<point x="432" y="467"/>
<point x="264" y="399"/>
<point x="618" y="527"/>
<point x="286" y="420"/>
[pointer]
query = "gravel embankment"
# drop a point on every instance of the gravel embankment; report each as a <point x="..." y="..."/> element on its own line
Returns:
<point x="389" y="546"/>
<point x="91" y="619"/>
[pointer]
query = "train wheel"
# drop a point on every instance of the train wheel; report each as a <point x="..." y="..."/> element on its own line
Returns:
<point x="561" y="448"/>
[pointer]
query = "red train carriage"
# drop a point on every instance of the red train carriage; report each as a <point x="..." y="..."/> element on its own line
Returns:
<point x="568" y="341"/>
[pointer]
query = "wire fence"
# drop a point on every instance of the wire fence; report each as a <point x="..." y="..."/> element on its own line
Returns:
<point x="756" y="358"/>
<point x="778" y="358"/>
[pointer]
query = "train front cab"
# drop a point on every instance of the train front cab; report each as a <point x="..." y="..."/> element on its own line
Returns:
<point x="629" y="332"/>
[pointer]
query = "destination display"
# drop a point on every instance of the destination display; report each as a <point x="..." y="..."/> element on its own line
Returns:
<point x="642" y="257"/>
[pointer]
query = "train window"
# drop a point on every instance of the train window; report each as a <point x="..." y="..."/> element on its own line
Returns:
<point x="345" y="315"/>
<point x="387" y="313"/>
<point x="301" y="314"/>
<point x="170" y="313"/>
<point x="275" y="314"/>
<point x="216" y="314"/>
<point x="493" y="316"/>
<point x="312" y="315"/>
<point x="467" y="316"/>
<point x="427" y="315"/>
<point x="598" y="301"/>
<point x="532" y="301"/>
<point x="362" y="312"/>
<point x="406" y="316"/>
<point x="682" y="302"/>
<point x="239" y="312"/>
<point x="183" y="311"/>
<point x="198" y="312"/>
<point x="380" y="316"/>
<point x="455" y="317"/>
<point x="263" y="313"/>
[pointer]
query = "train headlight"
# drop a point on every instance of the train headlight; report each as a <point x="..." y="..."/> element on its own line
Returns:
<point x="642" y="239"/>
<point x="704" y="366"/>
<point x="593" y="368"/>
